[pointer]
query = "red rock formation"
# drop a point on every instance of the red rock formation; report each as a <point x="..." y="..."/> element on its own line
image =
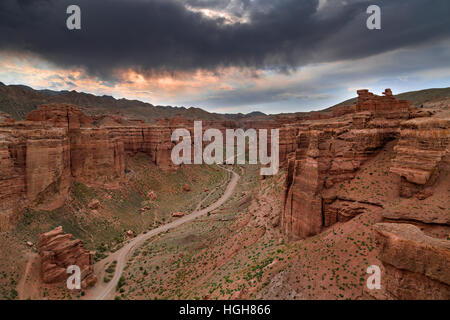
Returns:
<point x="11" y="184"/>
<point x="386" y="106"/>
<point x="97" y="158"/>
<point x="47" y="170"/>
<point x="416" y="266"/>
<point x="178" y="214"/>
<point x="155" y="141"/>
<point x="60" y="115"/>
<point x="58" y="144"/>
<point x="4" y="117"/>
<point x="287" y="143"/>
<point x="35" y="168"/>
<point x="94" y="204"/>
<point x="331" y="151"/>
<point x="422" y="150"/>
<point x="58" y="251"/>
<point x="152" y="195"/>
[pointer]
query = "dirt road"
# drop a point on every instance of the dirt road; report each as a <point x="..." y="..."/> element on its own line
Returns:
<point x="104" y="290"/>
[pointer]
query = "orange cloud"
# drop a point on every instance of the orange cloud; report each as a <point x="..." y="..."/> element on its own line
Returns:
<point x="161" y="88"/>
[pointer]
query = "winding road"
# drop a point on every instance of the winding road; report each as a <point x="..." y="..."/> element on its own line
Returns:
<point x="104" y="291"/>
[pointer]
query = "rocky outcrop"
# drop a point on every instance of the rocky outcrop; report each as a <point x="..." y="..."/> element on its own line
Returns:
<point x="342" y="210"/>
<point x="416" y="266"/>
<point x="287" y="143"/>
<point x="59" y="144"/>
<point x="422" y="151"/>
<point x="35" y="168"/>
<point x="60" y="115"/>
<point x="58" y="251"/>
<point x="178" y="214"/>
<point x="386" y="106"/>
<point x="11" y="184"/>
<point x="152" y="195"/>
<point x="97" y="157"/>
<point x="94" y="204"/>
<point x="331" y="151"/>
<point x="4" y="117"/>
<point x="155" y="141"/>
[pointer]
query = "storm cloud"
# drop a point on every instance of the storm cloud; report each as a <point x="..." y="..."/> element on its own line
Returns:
<point x="152" y="36"/>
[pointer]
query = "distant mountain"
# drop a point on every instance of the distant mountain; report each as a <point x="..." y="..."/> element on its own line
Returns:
<point x="19" y="100"/>
<point x="52" y="92"/>
<point x="241" y="116"/>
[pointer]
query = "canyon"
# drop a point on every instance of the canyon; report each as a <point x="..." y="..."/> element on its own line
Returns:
<point x="379" y="157"/>
<point x="58" y="144"/>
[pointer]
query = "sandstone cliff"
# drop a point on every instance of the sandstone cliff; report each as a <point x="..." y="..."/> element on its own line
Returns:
<point x="330" y="151"/>
<point x="58" y="251"/>
<point x="422" y="151"/>
<point x="35" y="167"/>
<point x="415" y="163"/>
<point x="59" y="144"/>
<point x="416" y="266"/>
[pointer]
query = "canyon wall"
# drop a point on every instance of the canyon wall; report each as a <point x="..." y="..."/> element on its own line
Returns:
<point x="413" y="240"/>
<point x="35" y="168"/>
<point x="329" y="151"/>
<point x="58" y="144"/>
<point x="414" y="247"/>
<point x="416" y="265"/>
<point x="421" y="154"/>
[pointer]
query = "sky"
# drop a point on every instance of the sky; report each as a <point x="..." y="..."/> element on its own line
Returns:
<point x="227" y="56"/>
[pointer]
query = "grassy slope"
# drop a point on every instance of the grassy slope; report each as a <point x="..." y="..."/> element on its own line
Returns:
<point x="12" y="265"/>
<point x="213" y="257"/>
<point x="120" y="209"/>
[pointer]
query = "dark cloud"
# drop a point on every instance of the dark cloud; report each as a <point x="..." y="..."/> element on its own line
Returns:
<point x="162" y="35"/>
<point x="209" y="4"/>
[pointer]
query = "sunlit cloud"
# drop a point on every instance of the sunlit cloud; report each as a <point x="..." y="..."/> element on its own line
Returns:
<point x="233" y="89"/>
<point x="217" y="14"/>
